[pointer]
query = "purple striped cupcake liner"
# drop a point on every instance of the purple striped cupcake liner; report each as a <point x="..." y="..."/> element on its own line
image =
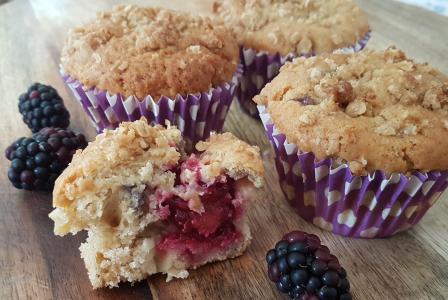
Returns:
<point x="328" y="195"/>
<point x="196" y="115"/>
<point x="259" y="68"/>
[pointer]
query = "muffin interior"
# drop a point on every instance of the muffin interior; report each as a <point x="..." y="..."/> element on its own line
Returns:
<point x="197" y="219"/>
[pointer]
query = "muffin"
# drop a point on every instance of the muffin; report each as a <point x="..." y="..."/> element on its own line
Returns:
<point x="160" y="64"/>
<point x="360" y="139"/>
<point x="150" y="208"/>
<point x="272" y="32"/>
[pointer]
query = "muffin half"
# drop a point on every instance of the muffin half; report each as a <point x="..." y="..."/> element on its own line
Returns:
<point x="150" y="208"/>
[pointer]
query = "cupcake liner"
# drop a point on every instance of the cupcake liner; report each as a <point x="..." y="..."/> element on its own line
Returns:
<point x="328" y="195"/>
<point x="259" y="68"/>
<point x="196" y="115"/>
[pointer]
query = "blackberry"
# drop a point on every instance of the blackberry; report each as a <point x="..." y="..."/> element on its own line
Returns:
<point x="41" y="106"/>
<point x="306" y="270"/>
<point x="36" y="162"/>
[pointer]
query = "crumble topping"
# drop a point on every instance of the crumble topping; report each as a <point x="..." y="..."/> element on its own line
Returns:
<point x="316" y="26"/>
<point x="138" y="51"/>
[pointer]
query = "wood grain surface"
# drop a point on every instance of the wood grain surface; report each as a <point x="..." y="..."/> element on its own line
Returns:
<point x="34" y="264"/>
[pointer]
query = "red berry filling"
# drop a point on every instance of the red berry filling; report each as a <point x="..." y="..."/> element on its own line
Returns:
<point x="198" y="234"/>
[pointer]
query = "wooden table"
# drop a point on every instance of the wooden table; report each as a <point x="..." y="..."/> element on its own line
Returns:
<point x="34" y="264"/>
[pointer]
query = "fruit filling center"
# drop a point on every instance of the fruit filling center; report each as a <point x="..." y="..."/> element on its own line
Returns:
<point x="199" y="218"/>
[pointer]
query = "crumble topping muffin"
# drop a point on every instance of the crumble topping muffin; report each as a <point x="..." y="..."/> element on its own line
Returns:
<point x="137" y="51"/>
<point x="163" y="65"/>
<point x="150" y="208"/>
<point x="360" y="140"/>
<point x="311" y="26"/>
<point x="375" y="110"/>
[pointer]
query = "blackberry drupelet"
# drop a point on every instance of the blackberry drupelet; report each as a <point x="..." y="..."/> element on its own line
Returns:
<point x="306" y="270"/>
<point x="36" y="162"/>
<point x="41" y="106"/>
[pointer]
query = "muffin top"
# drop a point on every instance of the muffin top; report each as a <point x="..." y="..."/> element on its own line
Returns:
<point x="139" y="51"/>
<point x="294" y="26"/>
<point x="372" y="110"/>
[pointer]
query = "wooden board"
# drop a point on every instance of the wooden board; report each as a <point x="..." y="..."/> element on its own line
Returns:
<point x="34" y="264"/>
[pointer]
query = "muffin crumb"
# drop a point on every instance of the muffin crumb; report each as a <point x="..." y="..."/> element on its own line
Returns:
<point x="356" y="108"/>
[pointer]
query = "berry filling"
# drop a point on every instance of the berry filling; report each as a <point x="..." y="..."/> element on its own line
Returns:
<point x="199" y="218"/>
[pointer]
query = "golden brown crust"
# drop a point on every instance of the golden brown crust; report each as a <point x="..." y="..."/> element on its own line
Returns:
<point x="375" y="110"/>
<point x="140" y="51"/>
<point x="294" y="26"/>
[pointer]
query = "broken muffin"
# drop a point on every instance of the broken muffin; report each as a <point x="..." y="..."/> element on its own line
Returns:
<point x="150" y="208"/>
